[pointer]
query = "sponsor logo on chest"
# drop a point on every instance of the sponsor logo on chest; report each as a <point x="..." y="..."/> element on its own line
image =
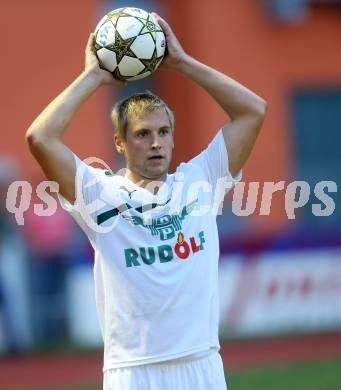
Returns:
<point x="166" y="252"/>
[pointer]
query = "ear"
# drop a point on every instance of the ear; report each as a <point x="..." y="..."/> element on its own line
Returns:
<point x="119" y="144"/>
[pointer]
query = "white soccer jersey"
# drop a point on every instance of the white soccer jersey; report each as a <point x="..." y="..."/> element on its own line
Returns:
<point x="156" y="258"/>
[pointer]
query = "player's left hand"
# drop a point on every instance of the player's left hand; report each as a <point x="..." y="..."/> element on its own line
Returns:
<point x="175" y="54"/>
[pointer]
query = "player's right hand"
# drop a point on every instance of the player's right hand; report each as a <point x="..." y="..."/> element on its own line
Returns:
<point x="91" y="63"/>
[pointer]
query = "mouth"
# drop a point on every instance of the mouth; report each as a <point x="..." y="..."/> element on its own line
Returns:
<point x="156" y="158"/>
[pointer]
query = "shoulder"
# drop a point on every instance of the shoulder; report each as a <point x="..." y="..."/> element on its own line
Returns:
<point x="189" y="171"/>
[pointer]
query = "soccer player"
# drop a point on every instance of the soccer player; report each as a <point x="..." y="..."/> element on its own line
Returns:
<point x="154" y="233"/>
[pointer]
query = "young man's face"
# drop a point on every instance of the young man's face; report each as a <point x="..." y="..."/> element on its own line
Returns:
<point x="148" y="146"/>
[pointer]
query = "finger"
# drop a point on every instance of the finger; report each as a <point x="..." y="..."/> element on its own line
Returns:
<point x="165" y="26"/>
<point x="158" y="18"/>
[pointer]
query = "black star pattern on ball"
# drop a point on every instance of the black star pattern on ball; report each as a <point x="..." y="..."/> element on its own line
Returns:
<point x="149" y="27"/>
<point x="150" y="65"/>
<point x="122" y="47"/>
<point x="116" y="73"/>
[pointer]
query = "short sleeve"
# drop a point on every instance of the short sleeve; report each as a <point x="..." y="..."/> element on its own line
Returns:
<point x="88" y="186"/>
<point x="215" y="163"/>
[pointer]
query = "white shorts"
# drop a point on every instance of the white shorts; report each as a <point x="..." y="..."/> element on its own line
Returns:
<point x="203" y="373"/>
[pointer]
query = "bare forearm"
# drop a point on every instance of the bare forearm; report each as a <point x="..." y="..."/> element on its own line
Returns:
<point x="235" y="99"/>
<point x="56" y="117"/>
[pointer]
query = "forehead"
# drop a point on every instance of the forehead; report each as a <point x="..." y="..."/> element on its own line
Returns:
<point x="149" y="119"/>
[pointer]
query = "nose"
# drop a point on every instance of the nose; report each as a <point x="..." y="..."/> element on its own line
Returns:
<point x="155" y="142"/>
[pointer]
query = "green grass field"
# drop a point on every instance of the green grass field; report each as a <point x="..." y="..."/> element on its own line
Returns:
<point x="318" y="375"/>
<point x="313" y="375"/>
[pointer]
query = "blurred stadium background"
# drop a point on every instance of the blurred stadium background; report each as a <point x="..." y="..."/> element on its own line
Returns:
<point x="280" y="277"/>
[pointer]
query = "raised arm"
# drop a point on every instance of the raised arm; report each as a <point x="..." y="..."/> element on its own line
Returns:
<point x="245" y="108"/>
<point x="45" y="134"/>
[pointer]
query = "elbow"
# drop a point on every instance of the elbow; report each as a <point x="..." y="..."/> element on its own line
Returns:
<point x="255" y="110"/>
<point x="261" y="109"/>
<point x="29" y="137"/>
<point x="33" y="140"/>
<point x="258" y="112"/>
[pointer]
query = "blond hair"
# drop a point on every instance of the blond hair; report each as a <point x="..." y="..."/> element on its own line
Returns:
<point x="136" y="105"/>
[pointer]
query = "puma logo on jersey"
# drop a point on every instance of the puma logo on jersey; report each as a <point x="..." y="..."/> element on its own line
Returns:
<point x="126" y="189"/>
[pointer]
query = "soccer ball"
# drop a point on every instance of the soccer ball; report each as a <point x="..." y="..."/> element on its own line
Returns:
<point x="129" y="43"/>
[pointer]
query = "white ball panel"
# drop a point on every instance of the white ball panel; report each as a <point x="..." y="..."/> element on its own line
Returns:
<point x="140" y="76"/>
<point x="143" y="46"/>
<point x="130" y="66"/>
<point x="160" y="43"/>
<point x="100" y="22"/>
<point x="137" y="12"/>
<point x="107" y="58"/>
<point x="106" y="34"/>
<point x="128" y="27"/>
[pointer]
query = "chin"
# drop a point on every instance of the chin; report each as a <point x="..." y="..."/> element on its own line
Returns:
<point x="157" y="171"/>
<point x="155" y="175"/>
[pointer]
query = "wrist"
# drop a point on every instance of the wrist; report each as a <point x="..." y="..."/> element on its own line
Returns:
<point x="94" y="75"/>
<point x="185" y="63"/>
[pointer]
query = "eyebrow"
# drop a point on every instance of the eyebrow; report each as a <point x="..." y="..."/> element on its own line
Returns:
<point x="146" y="129"/>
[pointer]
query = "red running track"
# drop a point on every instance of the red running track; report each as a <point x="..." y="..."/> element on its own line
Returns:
<point x="41" y="372"/>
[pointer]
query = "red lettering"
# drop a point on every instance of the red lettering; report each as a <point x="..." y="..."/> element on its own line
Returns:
<point x="195" y="247"/>
<point x="182" y="250"/>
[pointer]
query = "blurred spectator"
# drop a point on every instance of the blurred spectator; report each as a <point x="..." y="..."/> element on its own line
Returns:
<point x="15" y="324"/>
<point x="48" y="238"/>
